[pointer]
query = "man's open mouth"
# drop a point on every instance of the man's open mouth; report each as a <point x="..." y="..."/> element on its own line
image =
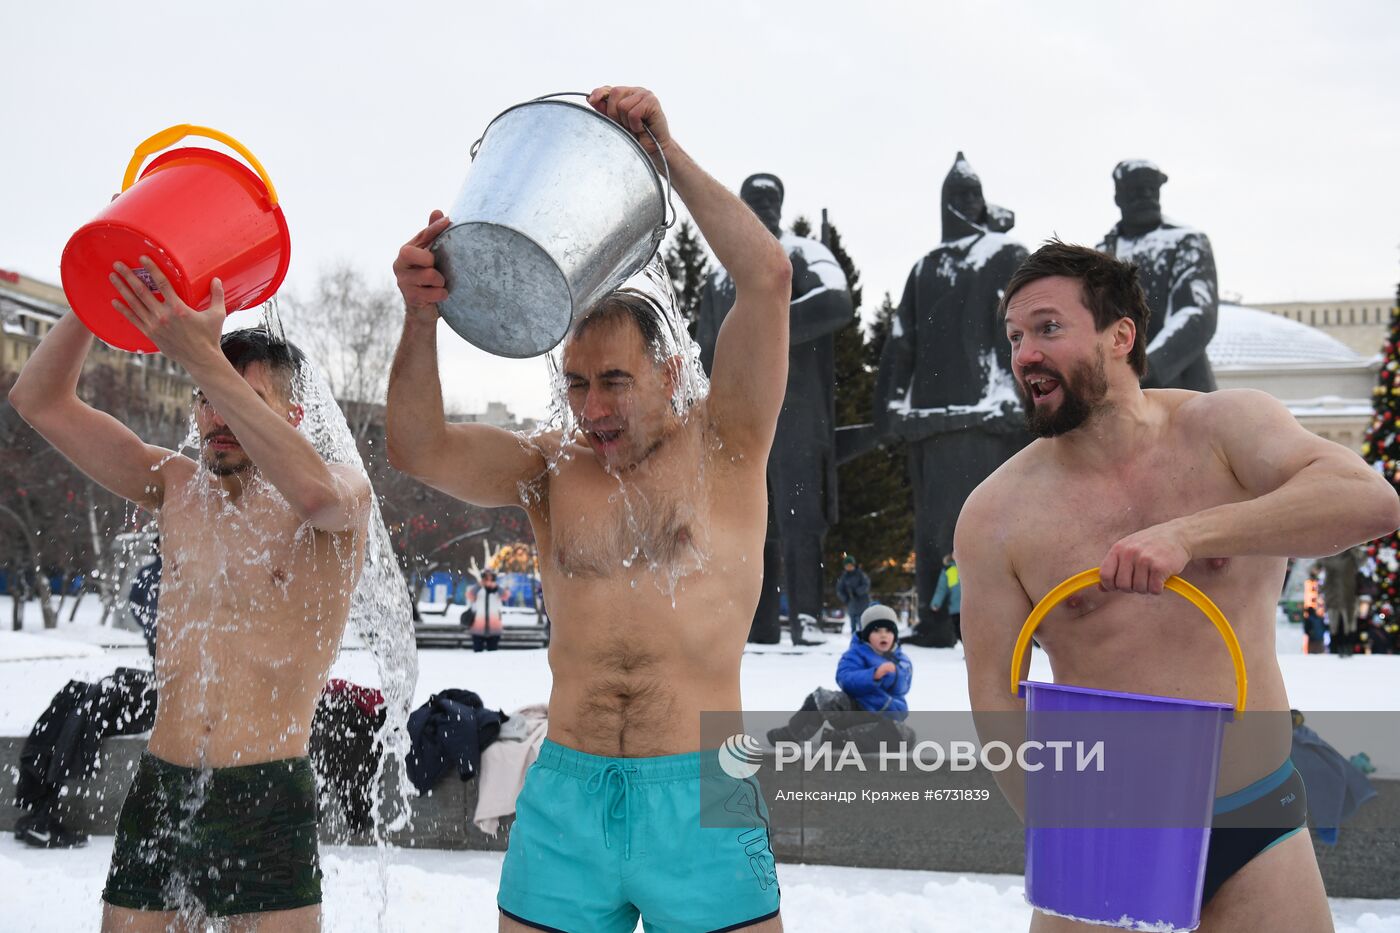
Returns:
<point x="1042" y="386"/>
<point x="604" y="438"/>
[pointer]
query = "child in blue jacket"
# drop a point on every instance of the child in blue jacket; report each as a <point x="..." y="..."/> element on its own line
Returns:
<point x="874" y="671"/>
<point x="874" y="676"/>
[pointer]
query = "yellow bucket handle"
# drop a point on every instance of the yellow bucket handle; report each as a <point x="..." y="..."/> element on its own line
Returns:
<point x="172" y="135"/>
<point x="1088" y="578"/>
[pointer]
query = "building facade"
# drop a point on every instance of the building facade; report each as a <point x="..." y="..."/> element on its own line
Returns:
<point x="1324" y="382"/>
<point x="29" y="308"/>
<point x="1360" y="323"/>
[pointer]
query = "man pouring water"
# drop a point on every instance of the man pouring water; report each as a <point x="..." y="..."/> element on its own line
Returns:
<point x="650" y="519"/>
<point x="262" y="543"/>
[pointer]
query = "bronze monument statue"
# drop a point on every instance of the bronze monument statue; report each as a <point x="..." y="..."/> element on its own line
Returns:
<point x="944" y="384"/>
<point x="802" y="465"/>
<point x="1177" y="270"/>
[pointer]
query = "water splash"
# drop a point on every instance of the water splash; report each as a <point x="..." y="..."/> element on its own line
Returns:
<point x="651" y="288"/>
<point x="380" y="611"/>
<point x="381" y="615"/>
<point x="644" y="516"/>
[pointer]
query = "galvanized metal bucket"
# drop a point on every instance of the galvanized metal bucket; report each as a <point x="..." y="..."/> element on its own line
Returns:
<point x="562" y="205"/>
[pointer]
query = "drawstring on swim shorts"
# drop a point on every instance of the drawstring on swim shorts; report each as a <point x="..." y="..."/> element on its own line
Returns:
<point x="612" y="775"/>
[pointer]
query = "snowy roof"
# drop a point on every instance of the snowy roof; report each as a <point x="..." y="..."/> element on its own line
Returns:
<point x="1330" y="406"/>
<point x="1247" y="338"/>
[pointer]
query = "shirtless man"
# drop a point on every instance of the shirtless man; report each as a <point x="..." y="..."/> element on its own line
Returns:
<point x="263" y="542"/>
<point x="1219" y="488"/>
<point x="650" y="529"/>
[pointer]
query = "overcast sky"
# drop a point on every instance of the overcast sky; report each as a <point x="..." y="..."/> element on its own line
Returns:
<point x="1276" y="121"/>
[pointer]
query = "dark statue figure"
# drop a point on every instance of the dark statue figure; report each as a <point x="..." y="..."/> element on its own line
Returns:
<point x="802" y="465"/>
<point x="1178" y="274"/>
<point x="944" y="385"/>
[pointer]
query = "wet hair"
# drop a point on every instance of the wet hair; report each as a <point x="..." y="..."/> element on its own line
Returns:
<point x="618" y="307"/>
<point x="243" y="348"/>
<point x="1108" y="287"/>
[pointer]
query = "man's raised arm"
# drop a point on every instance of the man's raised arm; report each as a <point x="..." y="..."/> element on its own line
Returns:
<point x="46" y="396"/>
<point x="477" y="463"/>
<point x="329" y="498"/>
<point x="749" y="376"/>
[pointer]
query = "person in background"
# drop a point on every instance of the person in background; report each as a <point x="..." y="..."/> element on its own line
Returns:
<point x="853" y="589"/>
<point x="874" y="671"/>
<point x="947" y="597"/>
<point x="1314" y="621"/>
<point x="949" y="594"/>
<point x="874" y="676"/>
<point x="1373" y="636"/>
<point x="487" y="598"/>
<point x="1340" y="573"/>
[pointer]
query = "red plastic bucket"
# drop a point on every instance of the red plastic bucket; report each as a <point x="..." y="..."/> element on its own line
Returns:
<point x="1125" y="847"/>
<point x="199" y="215"/>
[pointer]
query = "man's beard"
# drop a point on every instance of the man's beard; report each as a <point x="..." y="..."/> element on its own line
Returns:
<point x="1082" y="395"/>
<point x="226" y="469"/>
<point x="222" y="466"/>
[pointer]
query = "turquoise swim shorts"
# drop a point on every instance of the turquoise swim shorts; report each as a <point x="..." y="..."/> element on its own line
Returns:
<point x="598" y="842"/>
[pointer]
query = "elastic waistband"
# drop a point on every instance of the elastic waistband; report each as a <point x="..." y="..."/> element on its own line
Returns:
<point x="689" y="766"/>
<point x="1252" y="792"/>
<point x="235" y="773"/>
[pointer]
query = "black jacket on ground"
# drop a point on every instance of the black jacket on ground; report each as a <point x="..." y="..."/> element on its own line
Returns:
<point x="452" y="728"/>
<point x="66" y="742"/>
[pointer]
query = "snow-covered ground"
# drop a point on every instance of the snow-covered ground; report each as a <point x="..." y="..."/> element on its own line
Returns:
<point x="457" y="889"/>
<point x="432" y="889"/>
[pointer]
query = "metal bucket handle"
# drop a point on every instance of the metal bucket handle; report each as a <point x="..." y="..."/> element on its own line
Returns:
<point x="1088" y="578"/>
<point x="665" y="165"/>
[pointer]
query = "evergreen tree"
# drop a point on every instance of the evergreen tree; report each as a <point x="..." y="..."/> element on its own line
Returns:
<point x="880" y="329"/>
<point x="1382" y="449"/>
<point x="689" y="265"/>
<point x="802" y="227"/>
<point x="876" y="524"/>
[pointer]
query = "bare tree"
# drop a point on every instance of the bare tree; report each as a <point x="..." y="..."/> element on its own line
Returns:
<point x="123" y="395"/>
<point x="349" y="327"/>
<point x="54" y="521"/>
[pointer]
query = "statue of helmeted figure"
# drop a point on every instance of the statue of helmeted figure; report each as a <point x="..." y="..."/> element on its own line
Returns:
<point x="802" y="465"/>
<point x="944" y="384"/>
<point x="1177" y="270"/>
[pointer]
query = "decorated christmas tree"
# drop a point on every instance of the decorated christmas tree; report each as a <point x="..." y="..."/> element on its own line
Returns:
<point x="1382" y="450"/>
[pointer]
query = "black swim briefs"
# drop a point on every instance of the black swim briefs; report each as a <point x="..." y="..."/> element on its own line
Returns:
<point x="1252" y="820"/>
<point x="223" y="840"/>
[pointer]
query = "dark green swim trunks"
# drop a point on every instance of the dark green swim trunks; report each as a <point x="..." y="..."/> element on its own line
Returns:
<point x="226" y="840"/>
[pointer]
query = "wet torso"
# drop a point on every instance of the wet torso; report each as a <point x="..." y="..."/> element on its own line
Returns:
<point x="1066" y="520"/>
<point x="651" y="585"/>
<point x="251" y="613"/>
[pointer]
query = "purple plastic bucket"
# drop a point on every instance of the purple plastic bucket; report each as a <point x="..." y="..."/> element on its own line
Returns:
<point x="1126" y="845"/>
